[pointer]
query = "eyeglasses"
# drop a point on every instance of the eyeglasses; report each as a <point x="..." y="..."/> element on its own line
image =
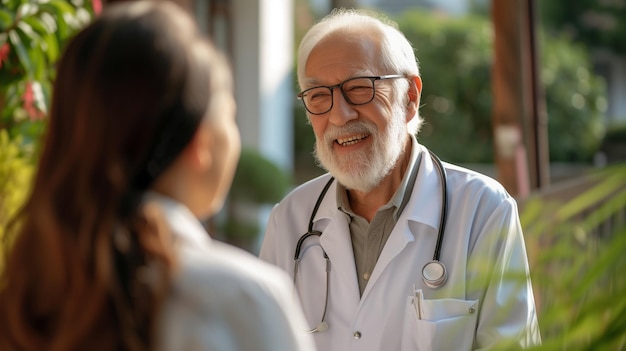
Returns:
<point x="357" y="91"/>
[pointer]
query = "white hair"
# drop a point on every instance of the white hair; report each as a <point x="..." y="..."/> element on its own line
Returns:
<point x="398" y="56"/>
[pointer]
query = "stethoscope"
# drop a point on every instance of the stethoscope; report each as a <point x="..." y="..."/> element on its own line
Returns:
<point x="434" y="272"/>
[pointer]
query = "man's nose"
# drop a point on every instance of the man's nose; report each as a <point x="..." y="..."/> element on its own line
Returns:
<point x="342" y="111"/>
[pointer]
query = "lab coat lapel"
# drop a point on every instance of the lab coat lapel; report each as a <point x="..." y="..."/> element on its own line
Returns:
<point x="426" y="212"/>
<point x="338" y="245"/>
<point x="335" y="240"/>
<point x="398" y="239"/>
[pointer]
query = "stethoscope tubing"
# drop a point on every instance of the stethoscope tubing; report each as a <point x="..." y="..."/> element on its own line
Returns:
<point x="444" y="205"/>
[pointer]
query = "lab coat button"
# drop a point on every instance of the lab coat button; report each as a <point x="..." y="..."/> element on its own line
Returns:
<point x="357" y="335"/>
<point x="472" y="310"/>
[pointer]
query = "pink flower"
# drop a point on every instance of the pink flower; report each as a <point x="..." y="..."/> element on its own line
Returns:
<point x="30" y="102"/>
<point x="97" y="6"/>
<point x="5" y="49"/>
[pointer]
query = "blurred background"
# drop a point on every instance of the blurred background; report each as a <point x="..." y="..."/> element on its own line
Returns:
<point x="532" y="93"/>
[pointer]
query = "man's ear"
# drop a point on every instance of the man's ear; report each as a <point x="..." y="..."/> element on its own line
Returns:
<point x="415" y="89"/>
<point x="414" y="93"/>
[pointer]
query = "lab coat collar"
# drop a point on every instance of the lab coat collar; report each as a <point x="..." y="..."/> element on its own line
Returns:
<point x="425" y="203"/>
<point x="184" y="225"/>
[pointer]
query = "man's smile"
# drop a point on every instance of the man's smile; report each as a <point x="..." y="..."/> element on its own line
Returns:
<point x="351" y="140"/>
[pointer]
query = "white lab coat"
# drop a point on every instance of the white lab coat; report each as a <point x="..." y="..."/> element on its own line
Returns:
<point x="223" y="298"/>
<point x="477" y="307"/>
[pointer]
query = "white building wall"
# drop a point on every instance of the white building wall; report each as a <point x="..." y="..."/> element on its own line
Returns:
<point x="246" y="68"/>
<point x="277" y="60"/>
<point x="263" y="63"/>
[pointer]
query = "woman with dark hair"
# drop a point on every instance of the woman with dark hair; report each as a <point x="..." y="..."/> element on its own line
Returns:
<point x="108" y="252"/>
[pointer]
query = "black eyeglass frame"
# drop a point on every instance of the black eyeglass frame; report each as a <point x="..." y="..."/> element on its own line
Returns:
<point x="345" y="96"/>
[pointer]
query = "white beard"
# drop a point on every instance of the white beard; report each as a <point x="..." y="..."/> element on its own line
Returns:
<point x="364" y="170"/>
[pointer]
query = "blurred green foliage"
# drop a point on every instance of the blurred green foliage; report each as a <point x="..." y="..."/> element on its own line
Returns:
<point x="257" y="181"/>
<point x="455" y="58"/>
<point x="456" y="55"/>
<point x="32" y="37"/>
<point x="576" y="248"/>
<point x="16" y="170"/>
<point x="597" y="24"/>
<point x="575" y="100"/>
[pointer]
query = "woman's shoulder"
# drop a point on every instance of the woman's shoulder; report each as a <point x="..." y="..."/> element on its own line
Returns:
<point x="222" y="295"/>
<point x="224" y="270"/>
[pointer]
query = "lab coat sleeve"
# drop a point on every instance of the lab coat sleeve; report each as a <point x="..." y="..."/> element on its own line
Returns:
<point x="268" y="250"/>
<point x="500" y="265"/>
<point x="279" y="242"/>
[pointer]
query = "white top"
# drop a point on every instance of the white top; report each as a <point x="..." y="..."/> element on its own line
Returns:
<point x="488" y="297"/>
<point x="223" y="298"/>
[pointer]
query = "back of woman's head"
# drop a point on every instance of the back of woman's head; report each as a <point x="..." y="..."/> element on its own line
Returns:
<point x="131" y="90"/>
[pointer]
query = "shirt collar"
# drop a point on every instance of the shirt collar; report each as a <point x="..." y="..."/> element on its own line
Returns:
<point x="400" y="198"/>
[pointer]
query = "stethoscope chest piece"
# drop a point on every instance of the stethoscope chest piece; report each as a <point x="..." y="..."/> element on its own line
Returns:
<point x="434" y="274"/>
<point x="321" y="326"/>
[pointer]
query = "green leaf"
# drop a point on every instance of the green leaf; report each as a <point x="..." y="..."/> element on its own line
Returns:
<point x="27" y="9"/>
<point x="63" y="30"/>
<point x="43" y="31"/>
<point x="38" y="25"/>
<point x="64" y="14"/>
<point x="33" y="45"/>
<point x="39" y="97"/>
<point x="46" y="89"/>
<point x="48" y="21"/>
<point x="40" y="68"/>
<point x="52" y="47"/>
<point x="62" y="6"/>
<point x="28" y="34"/>
<point x="6" y="20"/>
<point x="20" y="50"/>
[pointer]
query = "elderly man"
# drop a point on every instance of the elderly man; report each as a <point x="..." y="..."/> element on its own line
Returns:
<point x="392" y="249"/>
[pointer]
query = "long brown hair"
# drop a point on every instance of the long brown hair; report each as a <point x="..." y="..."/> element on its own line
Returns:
<point x="87" y="264"/>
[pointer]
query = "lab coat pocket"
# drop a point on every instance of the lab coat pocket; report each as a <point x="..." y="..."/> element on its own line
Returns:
<point x="445" y="324"/>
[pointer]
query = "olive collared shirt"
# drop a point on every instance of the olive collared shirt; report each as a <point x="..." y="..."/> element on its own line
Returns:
<point x="368" y="239"/>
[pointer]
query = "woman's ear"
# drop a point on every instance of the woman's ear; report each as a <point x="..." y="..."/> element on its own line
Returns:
<point x="198" y="151"/>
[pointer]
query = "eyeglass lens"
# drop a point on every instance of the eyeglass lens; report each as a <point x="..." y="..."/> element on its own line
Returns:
<point x="356" y="91"/>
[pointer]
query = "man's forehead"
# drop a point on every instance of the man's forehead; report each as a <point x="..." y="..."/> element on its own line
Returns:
<point x="347" y="56"/>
